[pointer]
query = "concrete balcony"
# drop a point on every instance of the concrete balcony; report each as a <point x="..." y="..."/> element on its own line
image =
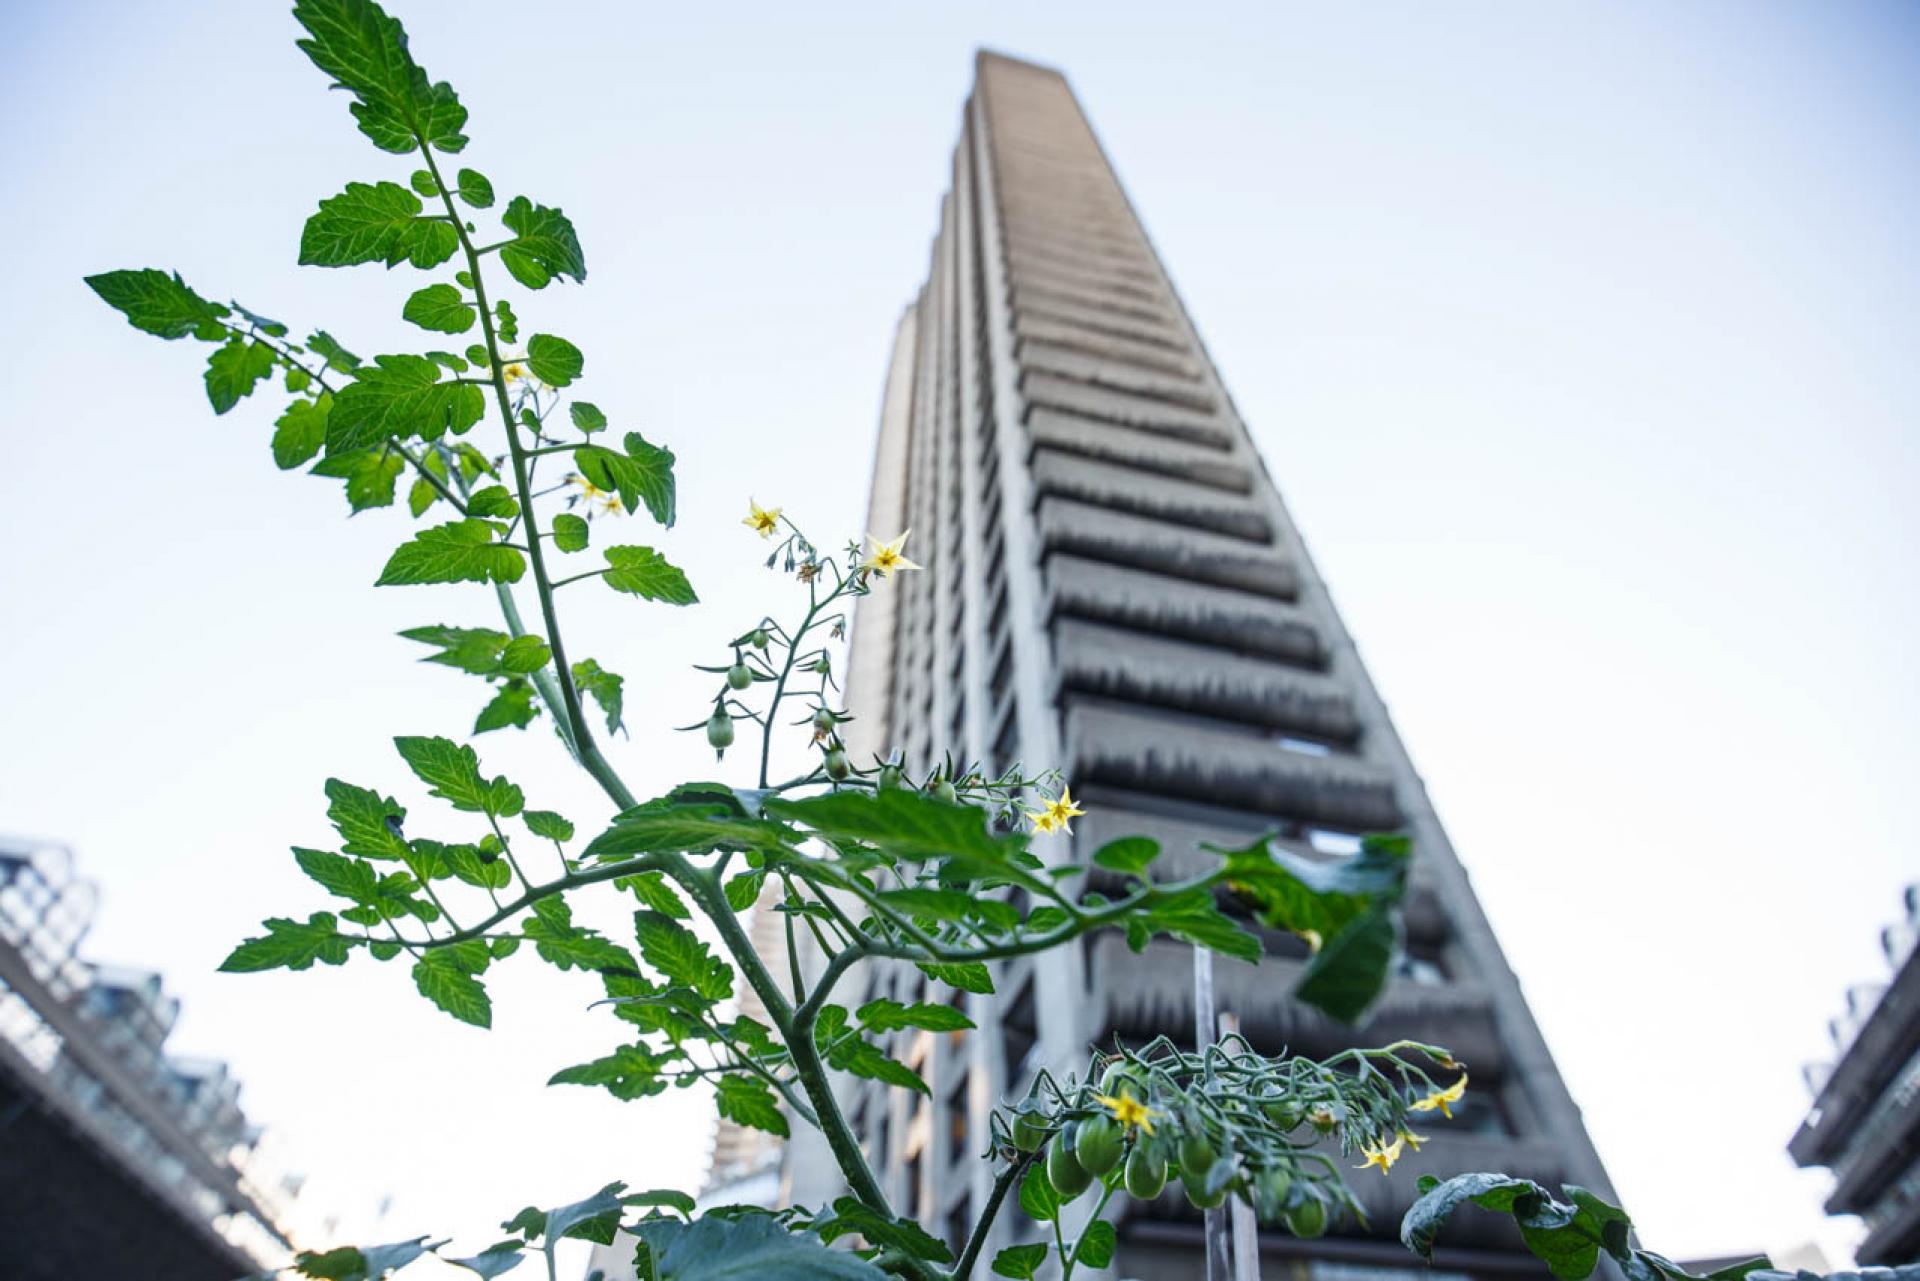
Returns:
<point x="1146" y="493"/>
<point x="1082" y="588"/>
<point x="1097" y="533"/>
<point x="1140" y="450"/>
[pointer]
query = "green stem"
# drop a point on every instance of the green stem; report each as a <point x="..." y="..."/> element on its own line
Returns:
<point x="1074" y="1259"/>
<point x="977" y="1240"/>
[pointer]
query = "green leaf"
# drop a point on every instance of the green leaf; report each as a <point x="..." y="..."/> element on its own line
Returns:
<point x="851" y="1216"/>
<point x="1038" y="1198"/>
<point x="339" y="874"/>
<point x="441" y="308"/>
<point x="1351" y="968"/>
<point x="643" y="474"/>
<point x="525" y="654"/>
<point x="493" y="501"/>
<point x="1096" y="1244"/>
<point x="401" y="396"/>
<point x="968" y="976"/>
<point x="461" y="551"/>
<point x="471" y="649"/>
<point x="158" y="303"/>
<point x="365" y="53"/>
<point x="655" y="828"/>
<point x="753" y="1247"/>
<point x="604" y="686"/>
<point x="545" y="245"/>
<point x="299" y="433"/>
<point x="941" y="905"/>
<point x="887" y="1016"/>
<point x="630" y="1072"/>
<point x="491" y="1263"/>
<point x="368" y="823"/>
<point x="1020" y="1261"/>
<point x="442" y="981"/>
<point x="652" y="889"/>
<point x="374" y="222"/>
<point x="1205" y="926"/>
<point x="422" y="182"/>
<point x="554" y="361"/>
<point x="336" y="356"/>
<point x="572" y="947"/>
<point x="587" y="416"/>
<point x="234" y="370"/>
<point x="1130" y="855"/>
<point x="452" y="771"/>
<point x="293" y="945"/>
<point x="569" y="532"/>
<point x="907" y="824"/>
<point x="644" y="572"/>
<point x="743" y="890"/>
<point x="352" y="1263"/>
<point x="862" y="1058"/>
<point x="485" y="869"/>
<point x="474" y="188"/>
<point x="680" y="957"/>
<point x="371" y="475"/>
<point x="512" y="706"/>
<point x="747" y="1100"/>
<point x="552" y="826"/>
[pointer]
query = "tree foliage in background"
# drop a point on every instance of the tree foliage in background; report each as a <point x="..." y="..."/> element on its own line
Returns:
<point x="522" y="489"/>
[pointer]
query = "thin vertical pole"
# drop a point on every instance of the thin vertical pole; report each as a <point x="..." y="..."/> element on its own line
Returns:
<point x="1219" y="1265"/>
<point x="1246" y="1239"/>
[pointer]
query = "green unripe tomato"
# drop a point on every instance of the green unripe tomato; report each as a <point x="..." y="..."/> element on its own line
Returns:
<point x="1029" y="1131"/>
<point x="1323" y="1118"/>
<point x="1096" y="1145"/>
<point x="1270" y="1188"/>
<point x="823" y="719"/>
<point x="739" y="676"/>
<point x="757" y="638"/>
<point x="1309" y="1218"/>
<point x="1285" y="1113"/>
<point x="1122" y="1077"/>
<point x="1196" y="1190"/>
<point x="838" y="766"/>
<point x="720" y="731"/>
<point x="943" y="790"/>
<point x="1196" y="1156"/>
<point x="1064" y="1171"/>
<point x="890" y="777"/>
<point x="1146" y="1173"/>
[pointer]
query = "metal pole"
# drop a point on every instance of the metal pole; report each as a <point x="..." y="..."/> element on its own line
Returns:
<point x="1219" y="1265"/>
<point x="1246" y="1239"/>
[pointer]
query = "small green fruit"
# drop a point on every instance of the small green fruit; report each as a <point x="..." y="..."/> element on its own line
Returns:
<point x="1029" y="1131"/>
<point x="838" y="766"/>
<point x="1122" y="1077"/>
<point x="1096" y="1144"/>
<point x="739" y="676"/>
<point x="1270" y="1188"/>
<point x="823" y="719"/>
<point x="890" y="778"/>
<point x="720" y="731"/>
<point x="1064" y="1171"/>
<point x="943" y="790"/>
<point x="757" y="638"/>
<point x="1196" y="1190"/>
<point x="1146" y="1173"/>
<point x="1196" y="1156"/>
<point x="1285" y="1113"/>
<point x="1309" y="1218"/>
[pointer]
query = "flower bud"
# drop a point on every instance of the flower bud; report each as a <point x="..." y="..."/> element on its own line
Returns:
<point x="720" y="731"/>
<point x="838" y="766"/>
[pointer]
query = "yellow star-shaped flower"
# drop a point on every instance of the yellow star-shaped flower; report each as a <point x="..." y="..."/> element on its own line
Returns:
<point x="515" y="372"/>
<point x="1413" y="1140"/>
<point x="1442" y="1100"/>
<point x="761" y="520"/>
<point x="885" y="557"/>
<point x="1130" y="1112"/>
<point x="1058" y="815"/>
<point x="1382" y="1155"/>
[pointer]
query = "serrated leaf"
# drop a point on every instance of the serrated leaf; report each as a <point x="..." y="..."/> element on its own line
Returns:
<point x="371" y="475"/>
<point x="968" y="976"/>
<point x="1351" y="968"/>
<point x="359" y="1263"/>
<point x="554" y="361"/>
<point x="569" y="532"/>
<point x="490" y="1263"/>
<point x="747" y="1100"/>
<point x="324" y="345"/>
<point x="368" y="823"/>
<point x="656" y="828"/>
<point x="1038" y="1198"/>
<point x="474" y="188"/>
<point x="680" y="957"/>
<point x="454" y="990"/>
<point x="850" y="1216"/>
<point x="652" y="889"/>
<point x="546" y="823"/>
<point x="452" y="771"/>
<point x="1130" y="855"/>
<point x="888" y="1016"/>
<point x="544" y="246"/>
<point x="525" y="654"/>
<point x="292" y="945"/>
<point x="156" y="302"/>
<point x="461" y="551"/>
<point x="493" y="501"/>
<point x="852" y="1054"/>
<point x="1096" y="1243"/>
<point x="604" y="686"/>
<point x="1021" y="1262"/>
<point x="299" y="432"/>
<point x="400" y="396"/>
<point x="906" y="824"/>
<point x="338" y="874"/>
<point x="441" y="308"/>
<point x="587" y="416"/>
<point x="643" y="475"/>
<point x="630" y="1072"/>
<point x="234" y="369"/>
<point x="471" y="649"/>
<point x="750" y="1248"/>
<point x="365" y="52"/>
<point x="743" y="890"/>
<point x="644" y="572"/>
<point x="374" y="222"/>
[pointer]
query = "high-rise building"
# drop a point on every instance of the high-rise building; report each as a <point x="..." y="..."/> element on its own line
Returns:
<point x="1114" y="587"/>
<point x="116" y="1158"/>
<point x="1864" y="1125"/>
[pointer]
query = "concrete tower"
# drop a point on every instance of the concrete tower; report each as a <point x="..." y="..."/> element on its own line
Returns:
<point x="1114" y="587"/>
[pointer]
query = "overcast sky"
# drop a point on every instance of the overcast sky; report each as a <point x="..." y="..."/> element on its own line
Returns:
<point x="1579" y="337"/>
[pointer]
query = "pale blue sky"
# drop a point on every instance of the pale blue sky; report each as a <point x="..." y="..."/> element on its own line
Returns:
<point x="1579" y="337"/>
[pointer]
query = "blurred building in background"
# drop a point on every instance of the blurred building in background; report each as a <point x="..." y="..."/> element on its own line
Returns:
<point x="1864" y="1125"/>
<point x="116" y="1158"/>
<point x="1114" y="587"/>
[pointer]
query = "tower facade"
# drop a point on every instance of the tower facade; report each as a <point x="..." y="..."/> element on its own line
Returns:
<point x="1114" y="587"/>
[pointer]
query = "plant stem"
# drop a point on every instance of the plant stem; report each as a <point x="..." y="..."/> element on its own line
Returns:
<point x="977" y="1241"/>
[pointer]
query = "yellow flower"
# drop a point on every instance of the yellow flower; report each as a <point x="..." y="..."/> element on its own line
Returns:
<point x="1383" y="1155"/>
<point x="1128" y="1111"/>
<point x="885" y="557"/>
<point x="590" y="491"/>
<point x="1443" y="1100"/>
<point x="1413" y="1140"/>
<point x="761" y="520"/>
<point x="1058" y="815"/>
<point x="515" y="372"/>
